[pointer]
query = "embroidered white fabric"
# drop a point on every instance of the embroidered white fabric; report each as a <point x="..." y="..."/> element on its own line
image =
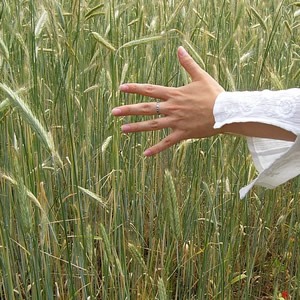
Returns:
<point x="276" y="161"/>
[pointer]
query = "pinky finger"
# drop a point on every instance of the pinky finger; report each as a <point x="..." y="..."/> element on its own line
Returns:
<point x="164" y="144"/>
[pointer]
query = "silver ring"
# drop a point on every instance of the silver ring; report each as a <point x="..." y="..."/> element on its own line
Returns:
<point x="157" y="108"/>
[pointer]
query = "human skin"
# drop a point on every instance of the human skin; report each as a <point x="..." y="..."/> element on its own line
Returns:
<point x="187" y="110"/>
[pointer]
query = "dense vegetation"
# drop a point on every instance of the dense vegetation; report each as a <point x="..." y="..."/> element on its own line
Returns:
<point x="83" y="215"/>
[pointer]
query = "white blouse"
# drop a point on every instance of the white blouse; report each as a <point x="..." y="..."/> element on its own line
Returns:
<point x="276" y="161"/>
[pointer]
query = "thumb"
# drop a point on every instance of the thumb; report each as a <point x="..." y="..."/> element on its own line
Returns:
<point x="195" y="71"/>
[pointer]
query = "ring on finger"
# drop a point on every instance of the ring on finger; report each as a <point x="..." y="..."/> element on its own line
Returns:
<point x="157" y="107"/>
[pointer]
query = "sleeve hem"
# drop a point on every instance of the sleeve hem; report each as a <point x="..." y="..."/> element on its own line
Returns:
<point x="283" y="125"/>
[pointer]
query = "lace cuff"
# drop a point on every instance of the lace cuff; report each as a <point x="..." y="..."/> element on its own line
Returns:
<point x="279" y="108"/>
<point x="276" y="161"/>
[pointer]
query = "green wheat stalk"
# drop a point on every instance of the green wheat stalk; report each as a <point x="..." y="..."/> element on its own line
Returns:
<point x="34" y="123"/>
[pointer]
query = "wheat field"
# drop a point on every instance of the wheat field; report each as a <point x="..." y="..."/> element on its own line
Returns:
<point x="83" y="214"/>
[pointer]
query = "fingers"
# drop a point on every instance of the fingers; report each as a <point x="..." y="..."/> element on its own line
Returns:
<point x="149" y="90"/>
<point x="167" y="94"/>
<point x="150" y="125"/>
<point x="139" y="109"/>
<point x="164" y="144"/>
<point x="195" y="71"/>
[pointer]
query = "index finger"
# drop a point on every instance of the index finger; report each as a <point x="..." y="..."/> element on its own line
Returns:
<point x="148" y="90"/>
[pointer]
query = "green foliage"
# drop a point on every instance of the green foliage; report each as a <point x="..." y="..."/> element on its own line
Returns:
<point x="82" y="212"/>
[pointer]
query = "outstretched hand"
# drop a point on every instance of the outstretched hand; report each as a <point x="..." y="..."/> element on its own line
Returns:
<point x="187" y="110"/>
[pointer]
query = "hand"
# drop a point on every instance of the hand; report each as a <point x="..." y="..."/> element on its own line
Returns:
<point x="187" y="110"/>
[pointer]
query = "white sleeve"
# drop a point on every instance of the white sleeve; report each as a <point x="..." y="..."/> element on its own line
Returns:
<point x="276" y="161"/>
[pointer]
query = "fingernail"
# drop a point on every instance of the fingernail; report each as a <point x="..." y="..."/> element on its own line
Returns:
<point x="124" y="87"/>
<point x="116" y="111"/>
<point x="125" y="128"/>
<point x="148" y="152"/>
<point x="182" y="52"/>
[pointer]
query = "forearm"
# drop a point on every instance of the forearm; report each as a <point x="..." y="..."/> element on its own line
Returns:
<point x="260" y="130"/>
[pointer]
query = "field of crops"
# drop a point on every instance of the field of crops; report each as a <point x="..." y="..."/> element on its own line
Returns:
<point x="83" y="214"/>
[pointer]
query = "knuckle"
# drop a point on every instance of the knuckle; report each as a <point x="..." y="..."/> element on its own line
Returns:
<point x="126" y="110"/>
<point x="168" y="142"/>
<point x="146" y="108"/>
<point x="176" y="93"/>
<point x="154" y="124"/>
<point x="174" y="110"/>
<point x="133" y="87"/>
<point x="188" y="61"/>
<point x="149" y="89"/>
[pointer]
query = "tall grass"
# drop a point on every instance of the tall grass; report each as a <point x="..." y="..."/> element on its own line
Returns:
<point x="83" y="214"/>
